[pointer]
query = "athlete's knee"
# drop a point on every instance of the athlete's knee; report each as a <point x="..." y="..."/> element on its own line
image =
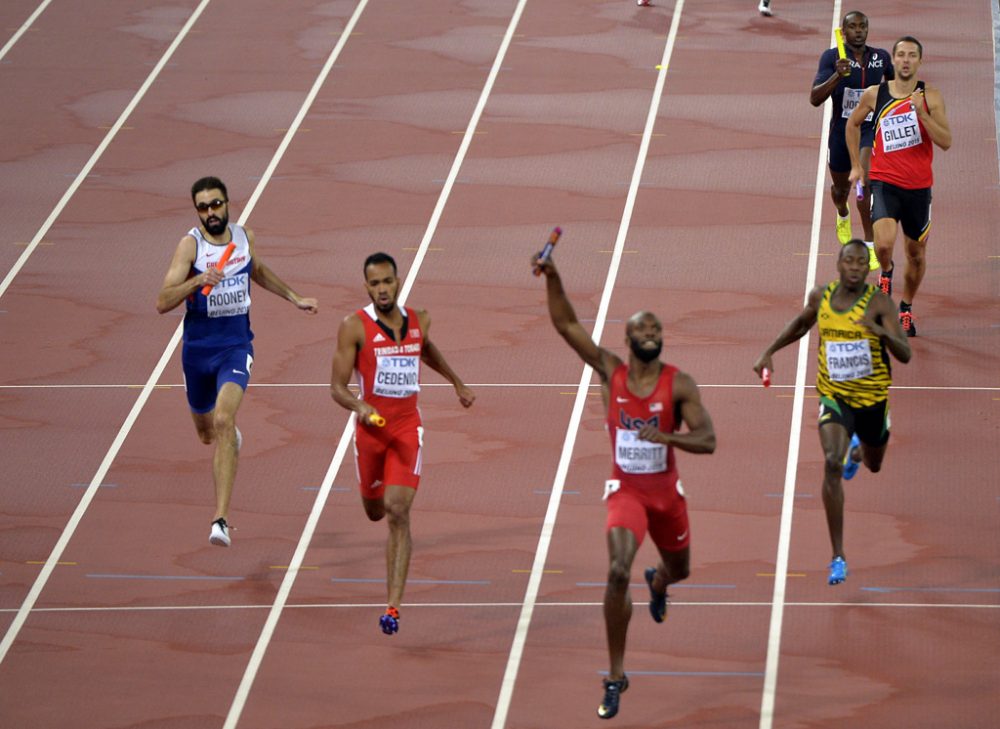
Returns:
<point x="398" y="513"/>
<point x="374" y="510"/>
<point x="618" y="575"/>
<point x="224" y="424"/>
<point x="832" y="464"/>
<point x="678" y="571"/>
<point x="839" y="192"/>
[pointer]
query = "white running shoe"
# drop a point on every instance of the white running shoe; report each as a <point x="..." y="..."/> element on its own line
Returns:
<point x="220" y="533"/>
<point x="239" y="439"/>
<point x="765" y="8"/>
<point x="643" y="3"/>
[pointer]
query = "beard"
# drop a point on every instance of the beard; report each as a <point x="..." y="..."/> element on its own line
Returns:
<point x="216" y="225"/>
<point x="644" y="355"/>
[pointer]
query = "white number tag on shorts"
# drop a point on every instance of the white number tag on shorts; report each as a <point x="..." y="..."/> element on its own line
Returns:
<point x="397" y="375"/>
<point x="848" y="360"/>
<point x="611" y="486"/>
<point x="638" y="456"/>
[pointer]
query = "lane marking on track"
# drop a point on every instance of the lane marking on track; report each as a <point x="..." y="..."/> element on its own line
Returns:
<point x="491" y="605"/>
<point x="717" y="385"/>
<point x="88" y="495"/>
<point x="82" y="175"/>
<point x="24" y="28"/>
<point x="253" y="665"/>
<point x="548" y="525"/>
<point x="795" y="435"/>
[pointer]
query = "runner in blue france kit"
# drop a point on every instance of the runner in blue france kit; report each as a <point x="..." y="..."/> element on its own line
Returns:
<point x="218" y="354"/>
<point x="843" y="81"/>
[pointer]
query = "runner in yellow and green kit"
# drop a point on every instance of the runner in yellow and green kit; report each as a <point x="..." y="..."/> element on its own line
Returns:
<point x="858" y="330"/>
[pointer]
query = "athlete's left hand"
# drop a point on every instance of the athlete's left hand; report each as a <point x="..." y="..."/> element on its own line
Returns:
<point x="307" y="304"/>
<point x="919" y="105"/>
<point x="465" y="395"/>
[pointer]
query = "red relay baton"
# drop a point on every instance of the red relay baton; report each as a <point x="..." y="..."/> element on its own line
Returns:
<point x="220" y="265"/>
<point x="547" y="250"/>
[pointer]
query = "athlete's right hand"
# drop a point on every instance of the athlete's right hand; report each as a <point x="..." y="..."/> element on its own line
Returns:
<point x="857" y="173"/>
<point x="763" y="361"/>
<point x="844" y="66"/>
<point x="547" y="267"/>
<point x="211" y="277"/>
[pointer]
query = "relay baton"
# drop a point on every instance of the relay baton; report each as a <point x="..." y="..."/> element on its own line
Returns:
<point x="220" y="265"/>
<point x="547" y="250"/>
<point x="860" y="190"/>
<point x="839" y="35"/>
<point x="377" y="420"/>
<point x="765" y="377"/>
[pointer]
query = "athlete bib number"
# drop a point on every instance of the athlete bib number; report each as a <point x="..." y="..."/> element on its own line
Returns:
<point x="848" y="360"/>
<point x="397" y="376"/>
<point x="638" y="456"/>
<point x="230" y="297"/>
<point x="900" y="131"/>
<point x="851" y="99"/>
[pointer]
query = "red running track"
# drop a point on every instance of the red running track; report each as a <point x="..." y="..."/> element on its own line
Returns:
<point x="143" y="624"/>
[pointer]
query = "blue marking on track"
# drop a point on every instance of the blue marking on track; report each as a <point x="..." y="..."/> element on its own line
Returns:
<point x="381" y="580"/>
<point x="115" y="576"/>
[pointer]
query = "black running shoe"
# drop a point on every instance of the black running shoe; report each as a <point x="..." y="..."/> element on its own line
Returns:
<point x="657" y="603"/>
<point x="612" y="693"/>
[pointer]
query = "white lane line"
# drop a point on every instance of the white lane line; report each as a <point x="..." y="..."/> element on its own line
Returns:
<point x="23" y="29"/>
<point x="794" y="437"/>
<point x="147" y="389"/>
<point x="541" y="604"/>
<point x="701" y="385"/>
<point x="548" y="525"/>
<point x="112" y="133"/>
<point x="281" y="599"/>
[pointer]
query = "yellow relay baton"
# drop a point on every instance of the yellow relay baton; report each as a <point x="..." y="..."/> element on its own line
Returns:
<point x="841" y="52"/>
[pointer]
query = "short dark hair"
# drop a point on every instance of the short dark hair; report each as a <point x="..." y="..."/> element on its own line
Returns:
<point x="909" y="39"/>
<point x="376" y="258"/>
<point x="209" y="183"/>
<point x="853" y="12"/>
<point x="851" y="242"/>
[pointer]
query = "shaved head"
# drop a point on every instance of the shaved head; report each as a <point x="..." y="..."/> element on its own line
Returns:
<point x="637" y="317"/>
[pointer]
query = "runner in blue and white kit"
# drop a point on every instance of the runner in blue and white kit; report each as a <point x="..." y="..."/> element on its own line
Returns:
<point x="843" y="81"/>
<point x="218" y="354"/>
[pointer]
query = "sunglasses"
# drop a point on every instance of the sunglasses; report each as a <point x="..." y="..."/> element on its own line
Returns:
<point x="214" y="205"/>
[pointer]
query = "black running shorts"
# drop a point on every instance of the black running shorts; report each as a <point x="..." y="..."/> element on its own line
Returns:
<point x="911" y="208"/>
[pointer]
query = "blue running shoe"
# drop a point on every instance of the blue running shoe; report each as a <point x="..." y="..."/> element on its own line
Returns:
<point x="838" y="571"/>
<point x="850" y="465"/>
<point x="612" y="693"/>
<point x="389" y="623"/>
<point x="657" y="603"/>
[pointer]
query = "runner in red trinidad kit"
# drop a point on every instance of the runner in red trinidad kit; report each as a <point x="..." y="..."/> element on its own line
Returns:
<point x="647" y="401"/>
<point x="909" y="120"/>
<point x="385" y="344"/>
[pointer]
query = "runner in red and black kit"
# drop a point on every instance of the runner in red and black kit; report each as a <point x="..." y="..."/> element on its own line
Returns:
<point x="842" y="80"/>
<point x="910" y="118"/>
<point x="647" y="401"/>
<point x="386" y="343"/>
